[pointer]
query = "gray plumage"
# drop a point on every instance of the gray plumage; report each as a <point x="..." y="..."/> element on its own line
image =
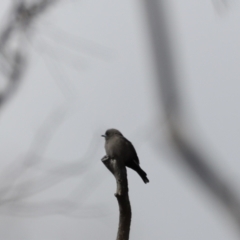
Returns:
<point x="118" y="147"/>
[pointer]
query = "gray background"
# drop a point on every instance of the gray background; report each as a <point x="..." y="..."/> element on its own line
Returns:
<point x="90" y="68"/>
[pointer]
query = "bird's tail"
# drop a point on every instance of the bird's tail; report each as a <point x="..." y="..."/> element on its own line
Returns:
<point x="138" y="169"/>
<point x="143" y="175"/>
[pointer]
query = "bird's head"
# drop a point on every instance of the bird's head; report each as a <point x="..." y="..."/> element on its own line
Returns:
<point x="111" y="132"/>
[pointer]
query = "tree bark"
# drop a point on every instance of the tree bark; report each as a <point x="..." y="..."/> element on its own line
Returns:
<point x="118" y="169"/>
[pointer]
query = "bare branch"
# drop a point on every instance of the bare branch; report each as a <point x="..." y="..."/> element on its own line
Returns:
<point x="118" y="169"/>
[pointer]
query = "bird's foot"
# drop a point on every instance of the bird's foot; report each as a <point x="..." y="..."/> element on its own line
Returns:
<point x="105" y="158"/>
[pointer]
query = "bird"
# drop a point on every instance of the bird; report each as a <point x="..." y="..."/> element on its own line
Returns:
<point x="118" y="147"/>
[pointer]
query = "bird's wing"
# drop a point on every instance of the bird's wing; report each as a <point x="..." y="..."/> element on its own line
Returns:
<point x="134" y="155"/>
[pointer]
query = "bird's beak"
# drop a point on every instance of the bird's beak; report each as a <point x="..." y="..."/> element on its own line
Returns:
<point x="103" y="136"/>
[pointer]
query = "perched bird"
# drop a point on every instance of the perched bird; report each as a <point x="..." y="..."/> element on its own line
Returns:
<point x="118" y="147"/>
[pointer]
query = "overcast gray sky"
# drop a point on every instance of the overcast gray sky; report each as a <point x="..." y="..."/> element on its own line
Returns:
<point x="90" y="68"/>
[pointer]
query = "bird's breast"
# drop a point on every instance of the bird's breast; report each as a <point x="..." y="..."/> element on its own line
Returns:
<point x="116" y="148"/>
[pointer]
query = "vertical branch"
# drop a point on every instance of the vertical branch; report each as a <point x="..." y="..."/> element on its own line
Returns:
<point x="167" y="79"/>
<point x="118" y="169"/>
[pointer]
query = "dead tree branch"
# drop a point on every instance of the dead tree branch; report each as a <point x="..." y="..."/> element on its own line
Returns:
<point x="118" y="169"/>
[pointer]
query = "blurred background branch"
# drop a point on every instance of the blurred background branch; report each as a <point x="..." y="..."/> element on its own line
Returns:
<point x="181" y="139"/>
<point x="13" y="51"/>
<point x="27" y="177"/>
